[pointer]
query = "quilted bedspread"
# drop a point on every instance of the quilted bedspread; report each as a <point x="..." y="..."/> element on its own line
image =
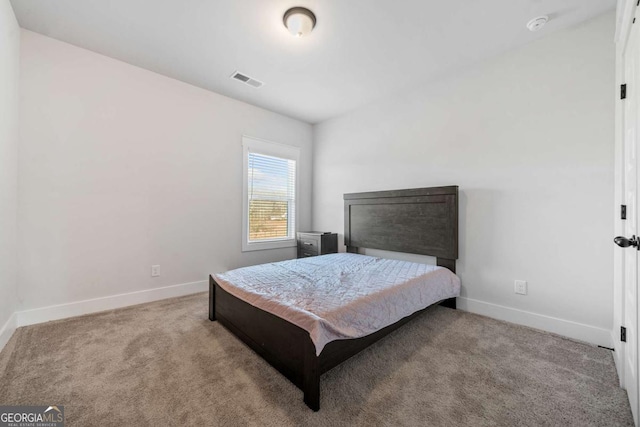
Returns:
<point x="341" y="296"/>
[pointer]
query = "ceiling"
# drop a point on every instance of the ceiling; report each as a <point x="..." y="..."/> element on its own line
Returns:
<point x="360" y="50"/>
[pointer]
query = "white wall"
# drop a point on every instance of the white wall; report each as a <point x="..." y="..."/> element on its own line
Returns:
<point x="529" y="139"/>
<point x="9" y="72"/>
<point x="121" y="168"/>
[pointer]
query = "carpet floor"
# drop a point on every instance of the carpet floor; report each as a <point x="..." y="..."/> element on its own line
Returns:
<point x="164" y="363"/>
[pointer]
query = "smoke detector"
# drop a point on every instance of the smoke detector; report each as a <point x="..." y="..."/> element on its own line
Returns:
<point x="537" y="23"/>
<point x="243" y="78"/>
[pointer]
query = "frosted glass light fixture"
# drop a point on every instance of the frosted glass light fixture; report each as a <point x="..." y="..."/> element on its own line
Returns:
<point x="299" y="21"/>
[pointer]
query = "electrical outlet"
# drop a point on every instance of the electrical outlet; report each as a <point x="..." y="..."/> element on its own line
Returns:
<point x="521" y="287"/>
<point x="155" y="270"/>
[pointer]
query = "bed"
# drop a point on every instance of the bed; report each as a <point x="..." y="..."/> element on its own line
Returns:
<point x="420" y="221"/>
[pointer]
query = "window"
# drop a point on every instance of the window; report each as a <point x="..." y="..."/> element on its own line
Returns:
<point x="270" y="188"/>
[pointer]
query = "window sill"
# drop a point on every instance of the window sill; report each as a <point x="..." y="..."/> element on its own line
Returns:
<point x="276" y="244"/>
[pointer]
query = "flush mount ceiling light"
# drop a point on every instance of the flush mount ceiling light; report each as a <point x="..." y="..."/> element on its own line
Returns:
<point x="299" y="21"/>
<point x="537" y="23"/>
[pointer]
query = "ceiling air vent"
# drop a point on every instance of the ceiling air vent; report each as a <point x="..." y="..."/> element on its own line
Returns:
<point x="246" y="80"/>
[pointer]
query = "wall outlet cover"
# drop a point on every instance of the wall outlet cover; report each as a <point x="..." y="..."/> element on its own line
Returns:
<point x="520" y="287"/>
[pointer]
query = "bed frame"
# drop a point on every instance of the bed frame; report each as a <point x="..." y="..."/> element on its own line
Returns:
<point x="420" y="221"/>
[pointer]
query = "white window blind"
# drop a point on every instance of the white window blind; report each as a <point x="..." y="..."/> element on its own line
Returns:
<point x="269" y="205"/>
<point x="271" y="183"/>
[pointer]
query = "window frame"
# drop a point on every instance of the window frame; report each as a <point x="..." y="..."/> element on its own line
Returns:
<point x="274" y="149"/>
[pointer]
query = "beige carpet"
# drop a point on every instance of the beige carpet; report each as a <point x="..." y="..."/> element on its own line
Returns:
<point x="164" y="363"/>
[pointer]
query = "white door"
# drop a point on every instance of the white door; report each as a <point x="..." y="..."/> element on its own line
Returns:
<point x="630" y="183"/>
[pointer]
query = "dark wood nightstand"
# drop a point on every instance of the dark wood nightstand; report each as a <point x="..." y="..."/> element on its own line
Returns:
<point x="312" y="243"/>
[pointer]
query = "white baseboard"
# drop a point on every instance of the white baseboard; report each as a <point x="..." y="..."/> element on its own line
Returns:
<point x="7" y="330"/>
<point x="578" y="331"/>
<point x="78" y="308"/>
<point x="567" y="328"/>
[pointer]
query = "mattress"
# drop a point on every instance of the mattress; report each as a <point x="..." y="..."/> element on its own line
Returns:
<point x="341" y="296"/>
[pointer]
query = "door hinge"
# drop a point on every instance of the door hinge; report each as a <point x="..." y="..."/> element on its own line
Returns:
<point x="623" y="211"/>
<point x="623" y="91"/>
<point x="623" y="334"/>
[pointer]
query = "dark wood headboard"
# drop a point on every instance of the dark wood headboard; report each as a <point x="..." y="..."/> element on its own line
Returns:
<point x="419" y="221"/>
